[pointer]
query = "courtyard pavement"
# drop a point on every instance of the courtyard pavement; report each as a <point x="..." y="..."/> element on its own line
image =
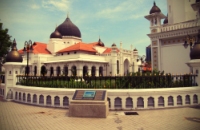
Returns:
<point x="18" y="116"/>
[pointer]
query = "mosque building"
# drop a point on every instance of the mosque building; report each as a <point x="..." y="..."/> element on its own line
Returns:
<point x="67" y="54"/>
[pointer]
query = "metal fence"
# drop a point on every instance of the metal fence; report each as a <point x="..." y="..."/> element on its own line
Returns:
<point x="112" y="82"/>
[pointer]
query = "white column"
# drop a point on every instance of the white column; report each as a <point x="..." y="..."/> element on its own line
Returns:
<point x="61" y="101"/>
<point x="45" y="100"/>
<point x="112" y="101"/>
<point x="198" y="98"/>
<point x="191" y="99"/>
<point x="123" y="103"/>
<point x="145" y="102"/>
<point x="38" y="99"/>
<point x="97" y="72"/>
<point x="52" y="100"/>
<point x="89" y="71"/>
<point x="31" y="98"/>
<point x="134" y="102"/>
<point x="165" y="101"/>
<point x="183" y="99"/>
<point x="155" y="102"/>
<point x="69" y="71"/>
<point x="175" y="100"/>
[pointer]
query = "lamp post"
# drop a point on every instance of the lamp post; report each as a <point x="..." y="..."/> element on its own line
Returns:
<point x="189" y="41"/>
<point x="28" y="47"/>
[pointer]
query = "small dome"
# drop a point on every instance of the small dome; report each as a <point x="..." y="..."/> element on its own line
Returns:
<point x="67" y="28"/>
<point x="135" y="49"/>
<point x="55" y="34"/>
<point x="166" y="20"/>
<point x="13" y="55"/>
<point x="195" y="52"/>
<point x="155" y="9"/>
<point x="100" y="43"/>
<point x="113" y="45"/>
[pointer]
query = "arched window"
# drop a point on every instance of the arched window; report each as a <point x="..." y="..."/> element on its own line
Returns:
<point x="85" y="70"/>
<point x="58" y="70"/>
<point x="73" y="70"/>
<point x="66" y="70"/>
<point x="35" y="70"/>
<point x="43" y="70"/>
<point x="118" y="102"/>
<point x="100" y="71"/>
<point x="51" y="71"/>
<point x="93" y="70"/>
<point x="117" y="66"/>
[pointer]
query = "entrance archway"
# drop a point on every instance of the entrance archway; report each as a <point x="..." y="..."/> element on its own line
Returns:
<point x="93" y="70"/>
<point x="126" y="67"/>
<point x="51" y="71"/>
<point x="85" y="70"/>
<point x="100" y="71"/>
<point x="66" y="70"/>
<point x="73" y="70"/>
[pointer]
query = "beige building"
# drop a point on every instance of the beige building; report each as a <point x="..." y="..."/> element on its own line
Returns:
<point x="167" y="38"/>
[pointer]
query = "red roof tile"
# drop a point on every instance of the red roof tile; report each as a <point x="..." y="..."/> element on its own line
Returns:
<point x="38" y="48"/>
<point x="108" y="50"/>
<point x="79" y="47"/>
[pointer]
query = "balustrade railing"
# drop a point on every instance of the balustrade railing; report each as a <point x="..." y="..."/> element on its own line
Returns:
<point x="109" y="82"/>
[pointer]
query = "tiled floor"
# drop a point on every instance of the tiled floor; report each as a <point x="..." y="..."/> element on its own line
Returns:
<point x="16" y="116"/>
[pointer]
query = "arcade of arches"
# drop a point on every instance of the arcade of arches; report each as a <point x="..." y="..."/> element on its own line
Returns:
<point x="85" y="70"/>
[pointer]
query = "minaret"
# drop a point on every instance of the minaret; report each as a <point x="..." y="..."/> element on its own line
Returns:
<point x="114" y="59"/>
<point x="13" y="59"/>
<point x="155" y="16"/>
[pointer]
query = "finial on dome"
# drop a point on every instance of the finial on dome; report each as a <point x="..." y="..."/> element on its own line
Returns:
<point x="67" y="14"/>
<point x="14" y="45"/>
<point x="154" y="3"/>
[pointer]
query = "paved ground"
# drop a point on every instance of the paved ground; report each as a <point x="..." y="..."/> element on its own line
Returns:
<point x="16" y="116"/>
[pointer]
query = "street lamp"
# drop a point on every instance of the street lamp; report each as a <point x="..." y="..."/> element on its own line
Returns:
<point x="190" y="41"/>
<point x="28" y="47"/>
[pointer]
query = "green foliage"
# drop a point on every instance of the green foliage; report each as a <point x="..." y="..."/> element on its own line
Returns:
<point x="132" y="81"/>
<point x="5" y="44"/>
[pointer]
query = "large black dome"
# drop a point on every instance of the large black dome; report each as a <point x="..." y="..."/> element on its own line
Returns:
<point x="13" y="55"/>
<point x="67" y="28"/>
<point x="154" y="9"/>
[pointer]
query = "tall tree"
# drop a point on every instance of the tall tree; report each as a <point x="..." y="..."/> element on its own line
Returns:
<point x="5" y="44"/>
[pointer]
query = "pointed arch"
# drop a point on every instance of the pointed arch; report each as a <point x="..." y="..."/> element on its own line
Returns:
<point x="126" y="66"/>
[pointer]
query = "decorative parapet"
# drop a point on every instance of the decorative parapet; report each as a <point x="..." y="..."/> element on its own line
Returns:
<point x="177" y="26"/>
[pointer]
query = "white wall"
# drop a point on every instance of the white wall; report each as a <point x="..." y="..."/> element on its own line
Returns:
<point x="180" y="11"/>
<point x="174" y="58"/>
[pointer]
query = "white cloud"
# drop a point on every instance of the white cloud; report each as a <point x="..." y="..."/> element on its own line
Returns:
<point x="119" y="11"/>
<point x="34" y="6"/>
<point x="62" y="5"/>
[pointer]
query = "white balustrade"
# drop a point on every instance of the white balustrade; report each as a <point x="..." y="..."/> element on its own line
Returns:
<point x="148" y="98"/>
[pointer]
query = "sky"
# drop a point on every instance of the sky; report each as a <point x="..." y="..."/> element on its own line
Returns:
<point x="114" y="21"/>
